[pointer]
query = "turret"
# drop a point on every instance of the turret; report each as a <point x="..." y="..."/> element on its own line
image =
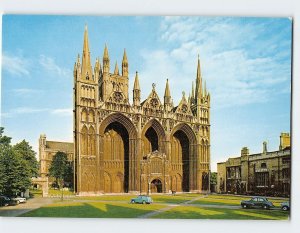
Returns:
<point x="106" y="67"/>
<point x="136" y="91"/>
<point x="125" y="65"/>
<point x="86" y="68"/>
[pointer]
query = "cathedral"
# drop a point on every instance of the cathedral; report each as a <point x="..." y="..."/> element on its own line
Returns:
<point x="139" y="146"/>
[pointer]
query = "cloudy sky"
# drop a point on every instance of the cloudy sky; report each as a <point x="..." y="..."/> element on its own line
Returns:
<point x="246" y="63"/>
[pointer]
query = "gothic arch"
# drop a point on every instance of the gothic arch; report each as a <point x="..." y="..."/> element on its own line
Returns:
<point x="92" y="141"/>
<point x="123" y="120"/>
<point x="107" y="182"/>
<point x="84" y="140"/>
<point x="91" y="116"/>
<point x="153" y="137"/>
<point x="84" y="115"/>
<point x="117" y="150"/>
<point x="183" y="156"/>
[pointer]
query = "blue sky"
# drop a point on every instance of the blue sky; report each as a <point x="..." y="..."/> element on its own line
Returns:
<point x="246" y="63"/>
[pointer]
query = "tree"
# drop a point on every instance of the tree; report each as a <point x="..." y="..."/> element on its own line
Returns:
<point x="24" y="150"/>
<point x="60" y="169"/>
<point x="4" y="140"/>
<point x="15" y="175"/>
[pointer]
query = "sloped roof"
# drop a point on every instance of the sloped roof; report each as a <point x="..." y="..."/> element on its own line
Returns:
<point x="60" y="146"/>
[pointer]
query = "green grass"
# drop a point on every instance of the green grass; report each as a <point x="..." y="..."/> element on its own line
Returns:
<point x="174" y="199"/>
<point x="231" y="200"/>
<point x="92" y="210"/>
<point x="190" y="212"/>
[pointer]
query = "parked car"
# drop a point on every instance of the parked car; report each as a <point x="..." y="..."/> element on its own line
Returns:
<point x="142" y="199"/>
<point x="257" y="202"/>
<point x="19" y="199"/>
<point x="5" y="201"/>
<point x="285" y="206"/>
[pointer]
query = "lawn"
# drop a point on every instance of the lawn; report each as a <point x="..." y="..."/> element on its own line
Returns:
<point x="118" y="206"/>
<point x="191" y="212"/>
<point x="173" y="199"/>
<point x="232" y="200"/>
<point x="92" y="210"/>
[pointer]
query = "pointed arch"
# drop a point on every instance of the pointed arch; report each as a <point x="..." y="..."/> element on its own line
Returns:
<point x="122" y="119"/>
<point x="92" y="141"/>
<point x="84" y="115"/>
<point x="91" y="116"/>
<point x="84" y="141"/>
<point x="153" y="137"/>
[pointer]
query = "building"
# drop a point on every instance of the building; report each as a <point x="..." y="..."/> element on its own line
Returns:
<point x="267" y="173"/>
<point x="143" y="146"/>
<point x="47" y="149"/>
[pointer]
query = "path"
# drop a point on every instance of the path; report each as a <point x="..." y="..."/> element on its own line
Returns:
<point x="31" y="204"/>
<point x="171" y="206"/>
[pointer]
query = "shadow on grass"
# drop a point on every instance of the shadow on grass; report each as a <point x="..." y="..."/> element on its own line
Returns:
<point x="184" y="212"/>
<point x="92" y="210"/>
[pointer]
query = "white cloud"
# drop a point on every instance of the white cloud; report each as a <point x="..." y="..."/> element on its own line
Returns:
<point x="62" y="111"/>
<point x="238" y="61"/>
<point x="50" y="65"/>
<point x="15" y="65"/>
<point x="25" y="92"/>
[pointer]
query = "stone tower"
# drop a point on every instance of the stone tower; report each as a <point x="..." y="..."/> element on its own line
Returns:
<point x="144" y="146"/>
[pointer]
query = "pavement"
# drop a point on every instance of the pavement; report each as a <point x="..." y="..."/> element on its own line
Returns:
<point x="31" y="204"/>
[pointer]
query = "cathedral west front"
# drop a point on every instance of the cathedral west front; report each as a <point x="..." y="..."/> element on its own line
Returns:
<point x="144" y="146"/>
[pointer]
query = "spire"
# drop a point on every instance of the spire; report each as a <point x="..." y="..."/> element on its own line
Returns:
<point x="136" y="91"/>
<point x="198" y="82"/>
<point x="125" y="65"/>
<point x="136" y="85"/>
<point x="116" y="69"/>
<point x="193" y="90"/>
<point x="167" y="96"/>
<point x="205" y="91"/>
<point x="167" y="90"/>
<point x="124" y="57"/>
<point x="105" y="60"/>
<point x="86" y="69"/>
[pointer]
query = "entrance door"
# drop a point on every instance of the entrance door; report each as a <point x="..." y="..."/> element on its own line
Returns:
<point x="156" y="186"/>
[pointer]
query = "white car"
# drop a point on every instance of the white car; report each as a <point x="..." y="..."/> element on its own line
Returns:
<point x="20" y="199"/>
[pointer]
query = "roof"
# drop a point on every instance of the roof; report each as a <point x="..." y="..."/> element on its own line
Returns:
<point x="60" y="146"/>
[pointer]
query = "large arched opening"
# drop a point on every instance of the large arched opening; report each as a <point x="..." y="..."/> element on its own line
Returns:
<point x="116" y="155"/>
<point x="117" y="136"/>
<point x="153" y="136"/>
<point x="182" y="154"/>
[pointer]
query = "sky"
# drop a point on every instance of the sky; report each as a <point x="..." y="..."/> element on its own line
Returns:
<point x="246" y="63"/>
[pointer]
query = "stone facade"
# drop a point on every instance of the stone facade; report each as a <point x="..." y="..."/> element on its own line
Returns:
<point x="47" y="149"/>
<point x="267" y="173"/>
<point x="143" y="146"/>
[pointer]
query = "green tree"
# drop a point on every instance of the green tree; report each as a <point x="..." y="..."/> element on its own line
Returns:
<point x="14" y="173"/>
<point x="4" y="140"/>
<point x="60" y="169"/>
<point x="24" y="150"/>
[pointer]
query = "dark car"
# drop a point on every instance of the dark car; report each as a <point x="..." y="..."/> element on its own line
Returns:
<point x="285" y="206"/>
<point x="5" y="201"/>
<point x="257" y="202"/>
<point x="141" y="199"/>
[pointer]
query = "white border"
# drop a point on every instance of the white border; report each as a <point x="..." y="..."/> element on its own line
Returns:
<point x="286" y="8"/>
